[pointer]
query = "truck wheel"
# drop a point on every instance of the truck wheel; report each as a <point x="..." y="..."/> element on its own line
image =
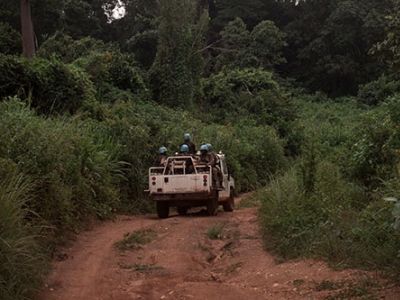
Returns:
<point x="229" y="205"/>
<point x="162" y="210"/>
<point x="182" y="211"/>
<point x="212" y="207"/>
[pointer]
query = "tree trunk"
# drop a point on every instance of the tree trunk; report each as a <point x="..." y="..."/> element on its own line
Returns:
<point x="28" y="36"/>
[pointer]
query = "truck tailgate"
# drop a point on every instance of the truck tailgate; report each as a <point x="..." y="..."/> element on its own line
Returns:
<point x="180" y="184"/>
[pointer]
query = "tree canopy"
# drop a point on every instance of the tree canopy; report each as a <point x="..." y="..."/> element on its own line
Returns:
<point x="322" y="44"/>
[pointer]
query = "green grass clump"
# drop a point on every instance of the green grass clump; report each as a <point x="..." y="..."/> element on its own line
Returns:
<point x="135" y="240"/>
<point x="22" y="259"/>
<point x="216" y="232"/>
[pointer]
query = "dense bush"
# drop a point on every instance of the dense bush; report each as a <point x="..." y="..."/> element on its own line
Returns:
<point x="379" y="90"/>
<point x="74" y="170"/>
<point x="57" y="87"/>
<point x="231" y="94"/>
<point x="50" y="86"/>
<point x="374" y="154"/>
<point x="10" y="40"/>
<point x="111" y="70"/>
<point x="336" y="210"/>
<point x="372" y="159"/>
<point x="67" y="49"/>
<point x="14" y="79"/>
<point x="221" y="89"/>
<point x="254" y="153"/>
<point x="334" y="127"/>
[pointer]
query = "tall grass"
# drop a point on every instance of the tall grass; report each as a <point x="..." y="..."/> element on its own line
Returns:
<point x="329" y="222"/>
<point x="22" y="262"/>
<point x="75" y="171"/>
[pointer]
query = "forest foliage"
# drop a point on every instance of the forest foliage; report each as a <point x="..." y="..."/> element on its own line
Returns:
<point x="303" y="96"/>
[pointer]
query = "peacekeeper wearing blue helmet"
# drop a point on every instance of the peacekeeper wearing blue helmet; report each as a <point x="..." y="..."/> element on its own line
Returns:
<point x="208" y="158"/>
<point x="217" y="165"/>
<point x="184" y="151"/>
<point x="162" y="157"/>
<point x="187" y="140"/>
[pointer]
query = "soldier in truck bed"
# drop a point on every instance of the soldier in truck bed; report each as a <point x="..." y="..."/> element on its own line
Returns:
<point x="184" y="151"/>
<point x="217" y="165"/>
<point x="209" y="158"/>
<point x="162" y="157"/>
<point x="187" y="140"/>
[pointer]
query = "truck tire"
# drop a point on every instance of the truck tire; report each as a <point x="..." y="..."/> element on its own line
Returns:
<point x="229" y="205"/>
<point x="163" y="210"/>
<point x="212" y="207"/>
<point x="182" y="211"/>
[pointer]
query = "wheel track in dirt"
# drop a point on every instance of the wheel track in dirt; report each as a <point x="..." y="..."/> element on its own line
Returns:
<point x="185" y="264"/>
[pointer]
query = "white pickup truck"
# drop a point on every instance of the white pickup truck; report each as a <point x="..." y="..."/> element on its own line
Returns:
<point x="184" y="183"/>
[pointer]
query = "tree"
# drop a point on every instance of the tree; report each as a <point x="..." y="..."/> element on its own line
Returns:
<point x="137" y="31"/>
<point x="28" y="36"/>
<point x="234" y="46"/>
<point x="83" y="18"/>
<point x="388" y="50"/>
<point x="329" y="43"/>
<point x="262" y="47"/>
<point x="267" y="43"/>
<point x="10" y="40"/>
<point x="178" y="65"/>
<point x="78" y="18"/>
<point x="251" y="11"/>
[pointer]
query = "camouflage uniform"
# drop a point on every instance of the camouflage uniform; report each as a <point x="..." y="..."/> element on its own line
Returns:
<point x="210" y="159"/>
<point x="161" y="160"/>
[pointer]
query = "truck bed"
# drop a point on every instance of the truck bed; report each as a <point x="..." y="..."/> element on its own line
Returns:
<point x="175" y="179"/>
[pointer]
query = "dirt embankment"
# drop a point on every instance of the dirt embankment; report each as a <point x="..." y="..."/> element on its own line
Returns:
<point x="195" y="257"/>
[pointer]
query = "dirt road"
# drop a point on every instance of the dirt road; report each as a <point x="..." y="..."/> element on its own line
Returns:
<point x="183" y="261"/>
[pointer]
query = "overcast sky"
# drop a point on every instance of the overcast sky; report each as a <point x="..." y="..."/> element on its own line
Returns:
<point x="119" y="10"/>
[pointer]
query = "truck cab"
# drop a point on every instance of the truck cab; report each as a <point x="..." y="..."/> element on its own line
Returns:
<point x="183" y="182"/>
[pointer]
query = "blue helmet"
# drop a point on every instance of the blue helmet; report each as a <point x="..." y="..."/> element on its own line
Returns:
<point x="204" y="147"/>
<point x="210" y="147"/>
<point x="163" y="150"/>
<point x="187" y="137"/>
<point x="184" y="148"/>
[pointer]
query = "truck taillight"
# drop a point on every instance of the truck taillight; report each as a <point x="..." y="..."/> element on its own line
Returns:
<point x="154" y="183"/>
<point x="153" y="178"/>
<point x="205" y="177"/>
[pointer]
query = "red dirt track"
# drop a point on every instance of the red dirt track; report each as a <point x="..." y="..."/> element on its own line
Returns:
<point x="183" y="263"/>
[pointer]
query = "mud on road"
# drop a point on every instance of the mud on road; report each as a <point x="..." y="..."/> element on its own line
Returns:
<point x="190" y="257"/>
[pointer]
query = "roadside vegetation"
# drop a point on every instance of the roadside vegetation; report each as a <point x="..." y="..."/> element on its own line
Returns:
<point x="307" y="115"/>
<point x="338" y="201"/>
